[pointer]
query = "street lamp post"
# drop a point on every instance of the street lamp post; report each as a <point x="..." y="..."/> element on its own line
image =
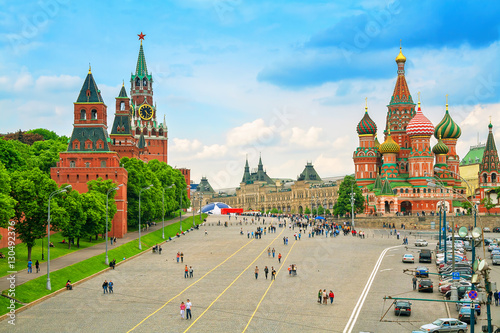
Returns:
<point x="201" y="201"/>
<point x="352" y="205"/>
<point x="107" y="196"/>
<point x="163" y="206"/>
<point x="180" y="210"/>
<point x="140" y="191"/>
<point x="65" y="189"/>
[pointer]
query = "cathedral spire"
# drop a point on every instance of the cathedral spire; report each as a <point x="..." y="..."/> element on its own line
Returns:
<point x="89" y="93"/>
<point x="401" y="92"/>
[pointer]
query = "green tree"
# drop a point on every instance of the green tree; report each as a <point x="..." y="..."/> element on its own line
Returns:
<point x="93" y="204"/>
<point x="328" y="212"/>
<point x="467" y="206"/>
<point x="488" y="204"/>
<point x="47" y="135"/>
<point x="31" y="190"/>
<point x="274" y="211"/>
<point x="307" y="211"/>
<point x="45" y="154"/>
<point x="13" y="154"/>
<point x="321" y="210"/>
<point x="343" y="204"/>
<point x="70" y="216"/>
<point x="6" y="202"/>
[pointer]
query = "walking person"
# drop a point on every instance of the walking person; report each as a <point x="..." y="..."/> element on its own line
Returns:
<point x="186" y="271"/>
<point x="331" y="295"/>
<point x="159" y="250"/>
<point x="496" y="296"/>
<point x="182" y="257"/>
<point x="325" y="297"/>
<point x="320" y="295"/>
<point x="37" y="266"/>
<point x="188" y="309"/>
<point x="266" y="271"/>
<point x="105" y="287"/>
<point x="183" y="309"/>
<point x="273" y="251"/>
<point x="256" y="272"/>
<point x="414" y="279"/>
<point x="110" y="286"/>
<point x="178" y="257"/>
<point x="190" y="271"/>
<point x="269" y="252"/>
<point x="279" y="258"/>
<point x="30" y="266"/>
<point x="273" y="274"/>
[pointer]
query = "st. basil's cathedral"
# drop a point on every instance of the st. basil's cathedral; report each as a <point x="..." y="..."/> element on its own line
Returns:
<point x="393" y="175"/>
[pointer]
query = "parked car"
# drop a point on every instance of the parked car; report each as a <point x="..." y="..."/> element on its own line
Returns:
<point x="425" y="256"/>
<point x="425" y="285"/>
<point x="492" y="246"/>
<point x="402" y="308"/>
<point x="488" y="241"/>
<point x="449" y="280"/>
<point x="467" y="246"/>
<point x="495" y="251"/>
<point x="421" y="242"/>
<point x="486" y="229"/>
<point x="408" y="258"/>
<point x="444" y="288"/>
<point x="461" y="291"/>
<point x="465" y="315"/>
<point x="496" y="259"/>
<point x="422" y="271"/>
<point x="445" y="325"/>
<point x="496" y="229"/>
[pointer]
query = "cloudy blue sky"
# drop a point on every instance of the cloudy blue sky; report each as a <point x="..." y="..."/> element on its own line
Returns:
<point x="286" y="79"/>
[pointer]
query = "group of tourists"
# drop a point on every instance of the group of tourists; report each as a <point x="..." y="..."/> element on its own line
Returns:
<point x="107" y="287"/>
<point x="323" y="296"/>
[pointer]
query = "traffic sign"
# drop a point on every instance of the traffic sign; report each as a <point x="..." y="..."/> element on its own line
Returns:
<point x="472" y="294"/>
<point x="455" y="275"/>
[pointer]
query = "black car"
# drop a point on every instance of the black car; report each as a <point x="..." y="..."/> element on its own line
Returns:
<point x="496" y="229"/>
<point x="425" y="285"/>
<point x="402" y="308"/>
<point x="465" y="315"/>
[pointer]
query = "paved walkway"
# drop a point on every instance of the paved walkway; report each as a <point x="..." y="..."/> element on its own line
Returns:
<point x="80" y="255"/>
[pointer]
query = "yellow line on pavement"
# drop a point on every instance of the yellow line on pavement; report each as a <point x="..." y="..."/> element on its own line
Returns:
<point x="263" y="296"/>
<point x="192" y="284"/>
<point x="222" y="293"/>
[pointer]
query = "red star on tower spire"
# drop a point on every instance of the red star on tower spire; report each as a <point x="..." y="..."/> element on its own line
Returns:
<point x="141" y="37"/>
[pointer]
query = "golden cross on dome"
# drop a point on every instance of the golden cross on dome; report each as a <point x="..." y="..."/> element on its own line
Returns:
<point x="490" y="119"/>
<point x="366" y="104"/>
<point x="90" y="69"/>
<point x="446" y="102"/>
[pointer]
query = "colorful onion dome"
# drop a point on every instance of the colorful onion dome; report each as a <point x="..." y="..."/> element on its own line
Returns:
<point x="400" y="57"/>
<point x="389" y="146"/>
<point x="376" y="144"/>
<point x="366" y="125"/>
<point x="447" y="128"/>
<point x="419" y="125"/>
<point x="440" y="148"/>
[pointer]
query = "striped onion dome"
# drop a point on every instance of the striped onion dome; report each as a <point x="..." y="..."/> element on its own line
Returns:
<point x="366" y="125"/>
<point x="440" y="148"/>
<point x="376" y="144"/>
<point x="419" y="125"/>
<point x="389" y="146"/>
<point x="447" y="128"/>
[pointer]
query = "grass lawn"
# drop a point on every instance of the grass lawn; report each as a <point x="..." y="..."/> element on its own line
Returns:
<point x="35" y="289"/>
<point x="58" y="250"/>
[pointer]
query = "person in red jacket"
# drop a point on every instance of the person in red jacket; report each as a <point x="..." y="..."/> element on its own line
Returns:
<point x="331" y="295"/>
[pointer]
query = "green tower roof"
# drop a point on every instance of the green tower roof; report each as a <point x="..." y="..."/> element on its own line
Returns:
<point x="123" y="92"/>
<point x="89" y="92"/>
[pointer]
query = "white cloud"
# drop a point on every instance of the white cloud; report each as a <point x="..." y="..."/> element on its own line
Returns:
<point x="185" y="145"/>
<point x="255" y="132"/>
<point x="310" y="138"/>
<point x="212" y="152"/>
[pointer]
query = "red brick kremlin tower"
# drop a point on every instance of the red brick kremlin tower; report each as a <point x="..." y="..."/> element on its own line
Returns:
<point x="89" y="155"/>
<point x="393" y="175"/>
<point x="145" y="127"/>
<point x="488" y="174"/>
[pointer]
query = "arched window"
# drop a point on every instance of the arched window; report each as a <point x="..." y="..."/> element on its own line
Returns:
<point x="425" y="191"/>
<point x="144" y="82"/>
<point x="485" y="178"/>
<point x="94" y="114"/>
<point x="103" y="164"/>
<point x="137" y="82"/>
<point x="72" y="164"/>
<point x="83" y="115"/>
<point x="122" y="106"/>
<point x="406" y="191"/>
<point x="493" y="177"/>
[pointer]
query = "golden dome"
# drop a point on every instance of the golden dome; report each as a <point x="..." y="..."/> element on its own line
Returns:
<point x="400" y="57"/>
<point x="389" y="146"/>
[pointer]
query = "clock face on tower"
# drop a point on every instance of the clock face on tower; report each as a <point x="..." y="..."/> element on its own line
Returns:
<point x="146" y="112"/>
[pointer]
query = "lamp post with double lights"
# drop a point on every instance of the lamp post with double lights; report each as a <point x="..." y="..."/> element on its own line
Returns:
<point x="106" y="260"/>
<point x="163" y="206"/>
<point x="442" y="210"/>
<point x="352" y="200"/>
<point x="62" y="190"/>
<point x="140" y="191"/>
